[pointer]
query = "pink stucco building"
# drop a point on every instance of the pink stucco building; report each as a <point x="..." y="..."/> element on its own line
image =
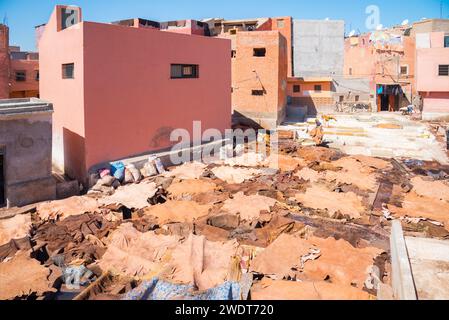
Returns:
<point x="119" y="91"/>
<point x="432" y="61"/>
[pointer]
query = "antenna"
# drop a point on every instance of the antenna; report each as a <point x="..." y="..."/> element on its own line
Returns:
<point x="441" y="9"/>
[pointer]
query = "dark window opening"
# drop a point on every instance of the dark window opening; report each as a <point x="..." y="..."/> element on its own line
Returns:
<point x="233" y="53"/>
<point x="21" y="76"/>
<point x="36" y="76"/>
<point x="350" y="71"/>
<point x="180" y="71"/>
<point x="296" y="88"/>
<point x="342" y="98"/>
<point x="404" y="70"/>
<point x="357" y="98"/>
<point x="257" y="92"/>
<point x="68" y="71"/>
<point x="318" y="87"/>
<point x="446" y="41"/>
<point x="2" y="179"/>
<point x="233" y="31"/>
<point x="443" y="70"/>
<point x="260" y="52"/>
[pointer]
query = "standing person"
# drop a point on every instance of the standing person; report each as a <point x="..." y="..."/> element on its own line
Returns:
<point x="317" y="134"/>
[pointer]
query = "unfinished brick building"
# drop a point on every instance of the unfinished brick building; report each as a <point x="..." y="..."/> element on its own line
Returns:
<point x="24" y="73"/>
<point x="4" y="62"/>
<point x="19" y="70"/>
<point x="259" y="78"/>
<point x="261" y="61"/>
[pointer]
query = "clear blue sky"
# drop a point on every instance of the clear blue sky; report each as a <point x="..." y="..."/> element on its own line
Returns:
<point x="23" y="15"/>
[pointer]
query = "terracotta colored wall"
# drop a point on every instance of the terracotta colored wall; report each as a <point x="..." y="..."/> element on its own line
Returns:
<point x="4" y="62"/>
<point x="436" y="102"/>
<point x="258" y="73"/>
<point x="366" y="61"/>
<point x="30" y="85"/>
<point x="286" y="31"/>
<point x="67" y="95"/>
<point x="140" y="105"/>
<point x="308" y="88"/>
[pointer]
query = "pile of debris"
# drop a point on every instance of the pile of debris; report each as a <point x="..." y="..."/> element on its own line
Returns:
<point x="313" y="225"/>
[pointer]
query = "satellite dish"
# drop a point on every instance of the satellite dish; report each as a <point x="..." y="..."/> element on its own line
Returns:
<point x="405" y="22"/>
<point x="379" y="27"/>
<point x="351" y="34"/>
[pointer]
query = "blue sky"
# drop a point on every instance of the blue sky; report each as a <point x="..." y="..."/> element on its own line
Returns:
<point x="23" y="15"/>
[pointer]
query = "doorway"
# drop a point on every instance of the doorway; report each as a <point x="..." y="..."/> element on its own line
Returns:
<point x="2" y="178"/>
<point x="388" y="97"/>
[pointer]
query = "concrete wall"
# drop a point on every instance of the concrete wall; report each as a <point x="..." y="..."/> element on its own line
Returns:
<point x="267" y="73"/>
<point x="350" y="87"/>
<point x="318" y="47"/>
<point x="4" y="62"/>
<point x="27" y="143"/>
<point x="123" y="102"/>
<point x="432" y="25"/>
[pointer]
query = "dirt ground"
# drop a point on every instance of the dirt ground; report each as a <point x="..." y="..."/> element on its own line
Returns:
<point x="318" y="228"/>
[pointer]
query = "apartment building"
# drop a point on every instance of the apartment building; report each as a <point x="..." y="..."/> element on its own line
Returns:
<point x="432" y="70"/>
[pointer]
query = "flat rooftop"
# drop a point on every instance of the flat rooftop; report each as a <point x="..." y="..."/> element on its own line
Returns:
<point x="24" y="106"/>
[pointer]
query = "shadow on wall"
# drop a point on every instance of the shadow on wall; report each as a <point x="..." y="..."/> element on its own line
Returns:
<point x="240" y="119"/>
<point x="74" y="155"/>
<point x="314" y="106"/>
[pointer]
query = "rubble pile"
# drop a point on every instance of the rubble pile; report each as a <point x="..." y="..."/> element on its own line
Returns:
<point x="314" y="227"/>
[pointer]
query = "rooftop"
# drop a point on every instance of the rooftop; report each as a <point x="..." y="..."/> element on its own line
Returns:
<point x="24" y="106"/>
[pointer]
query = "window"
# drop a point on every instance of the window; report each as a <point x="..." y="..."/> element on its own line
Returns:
<point x="318" y="87"/>
<point x="342" y="98"/>
<point x="68" y="71"/>
<point x="404" y="70"/>
<point x="260" y="52"/>
<point x="446" y="41"/>
<point x="257" y="92"/>
<point x="36" y="75"/>
<point x="180" y="71"/>
<point x="350" y="71"/>
<point x="233" y="31"/>
<point x="443" y="70"/>
<point x="21" y="76"/>
<point x="296" y="88"/>
<point x="357" y="98"/>
<point x="281" y="24"/>
<point x="233" y="53"/>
